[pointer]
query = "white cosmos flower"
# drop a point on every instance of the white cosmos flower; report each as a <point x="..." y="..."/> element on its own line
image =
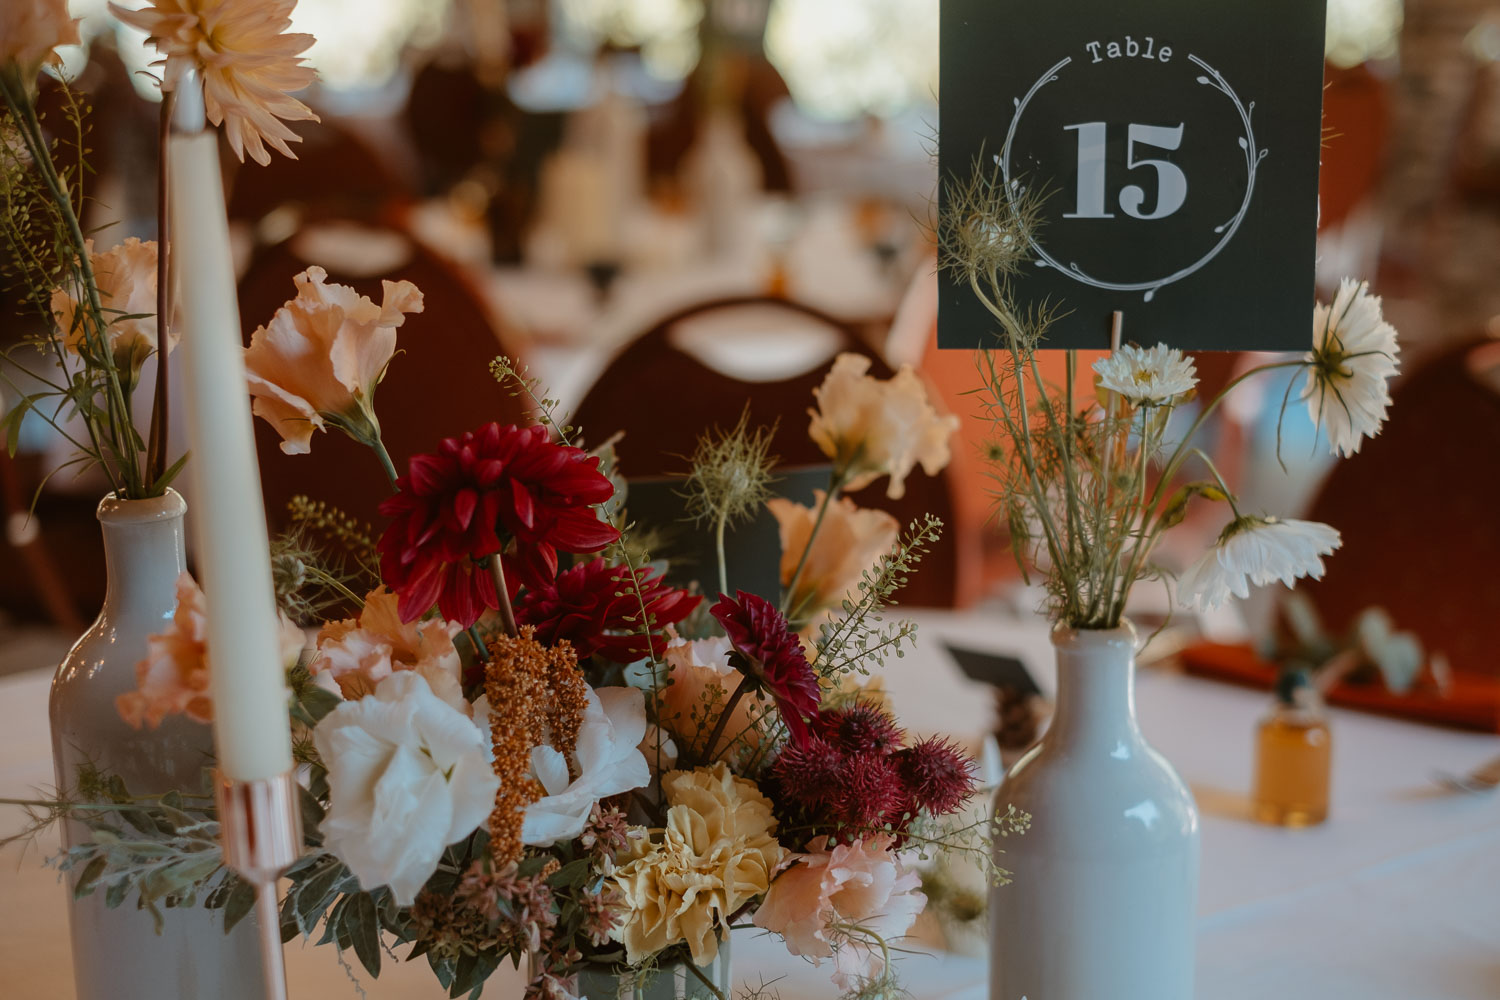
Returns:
<point x="1353" y="357"/>
<point x="408" y="774"/>
<point x="609" y="762"/>
<point x="1147" y="377"/>
<point x="1256" y="550"/>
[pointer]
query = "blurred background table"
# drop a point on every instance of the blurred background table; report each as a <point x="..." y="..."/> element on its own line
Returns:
<point x="1392" y="899"/>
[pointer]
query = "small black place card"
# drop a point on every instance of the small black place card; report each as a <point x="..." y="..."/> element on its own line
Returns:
<point x="995" y="669"/>
<point x="1178" y="141"/>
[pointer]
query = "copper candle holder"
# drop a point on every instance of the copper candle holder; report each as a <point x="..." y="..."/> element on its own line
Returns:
<point x="260" y="829"/>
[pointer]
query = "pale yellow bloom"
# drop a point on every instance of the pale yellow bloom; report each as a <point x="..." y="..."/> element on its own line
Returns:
<point x="126" y="278"/>
<point x="871" y="428"/>
<point x="847" y="544"/>
<point x="30" y="30"/>
<point x="322" y="355"/>
<point x="360" y="653"/>
<point x="716" y="854"/>
<point x="248" y="62"/>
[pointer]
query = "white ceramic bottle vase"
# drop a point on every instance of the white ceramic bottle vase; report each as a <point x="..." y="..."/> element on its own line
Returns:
<point x="1104" y="884"/>
<point x="117" y="954"/>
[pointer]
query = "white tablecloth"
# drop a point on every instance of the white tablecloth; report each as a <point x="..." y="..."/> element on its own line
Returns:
<point x="1394" y="898"/>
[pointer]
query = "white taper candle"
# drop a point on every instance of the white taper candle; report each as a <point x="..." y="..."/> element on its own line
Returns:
<point x="228" y="517"/>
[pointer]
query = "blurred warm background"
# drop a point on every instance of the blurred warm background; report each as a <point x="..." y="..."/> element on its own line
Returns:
<point x="670" y="208"/>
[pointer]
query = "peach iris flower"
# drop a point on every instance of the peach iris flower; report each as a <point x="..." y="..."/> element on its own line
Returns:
<point x="320" y="358"/>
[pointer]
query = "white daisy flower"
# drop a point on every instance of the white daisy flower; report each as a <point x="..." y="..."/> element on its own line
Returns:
<point x="1153" y="377"/>
<point x="1353" y="357"/>
<point x="1256" y="550"/>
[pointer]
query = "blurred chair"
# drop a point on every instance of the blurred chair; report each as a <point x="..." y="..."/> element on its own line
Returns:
<point x="336" y="175"/>
<point x="447" y="115"/>
<point x="758" y="86"/>
<point x="662" y="395"/>
<point x="1356" y="127"/>
<point x="1417" y="510"/>
<point x="437" y="386"/>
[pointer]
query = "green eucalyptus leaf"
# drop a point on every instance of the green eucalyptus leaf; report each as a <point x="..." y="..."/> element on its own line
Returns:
<point x="364" y="928"/>
<point x="116" y="893"/>
<point x="238" y="905"/>
<point x="90" y="874"/>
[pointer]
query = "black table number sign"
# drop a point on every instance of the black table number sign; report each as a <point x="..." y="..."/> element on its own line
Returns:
<point x="1178" y="143"/>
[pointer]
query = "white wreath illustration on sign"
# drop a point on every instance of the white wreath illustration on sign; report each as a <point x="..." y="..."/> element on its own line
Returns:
<point x="1253" y="156"/>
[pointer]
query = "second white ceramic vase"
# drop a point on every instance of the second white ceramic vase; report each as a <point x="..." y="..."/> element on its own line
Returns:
<point x="117" y="953"/>
<point x="1104" y="886"/>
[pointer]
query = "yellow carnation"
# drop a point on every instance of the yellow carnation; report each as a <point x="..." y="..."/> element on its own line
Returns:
<point x="716" y="854"/>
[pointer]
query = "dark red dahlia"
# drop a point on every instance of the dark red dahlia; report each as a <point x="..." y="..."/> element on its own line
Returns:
<point x="860" y="728"/>
<point x="450" y="510"/>
<point x="597" y="609"/>
<point x="937" y="774"/>
<point x="770" y="654"/>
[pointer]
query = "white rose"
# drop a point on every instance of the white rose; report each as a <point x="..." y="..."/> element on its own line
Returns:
<point x="408" y="775"/>
<point x="609" y="762"/>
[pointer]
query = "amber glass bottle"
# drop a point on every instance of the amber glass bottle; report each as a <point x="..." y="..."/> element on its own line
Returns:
<point x="1293" y="756"/>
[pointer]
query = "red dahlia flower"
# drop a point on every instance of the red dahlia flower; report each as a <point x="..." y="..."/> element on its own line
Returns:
<point x="451" y="507"/>
<point x="770" y="654"/>
<point x="595" y="608"/>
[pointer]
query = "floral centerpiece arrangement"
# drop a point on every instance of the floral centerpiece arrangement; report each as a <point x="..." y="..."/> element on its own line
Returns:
<point x="520" y="743"/>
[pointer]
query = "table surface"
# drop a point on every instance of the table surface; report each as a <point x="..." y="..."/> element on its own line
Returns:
<point x="1394" y="898"/>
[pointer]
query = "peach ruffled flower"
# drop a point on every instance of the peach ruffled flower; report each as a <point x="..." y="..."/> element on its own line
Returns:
<point x="863" y="885"/>
<point x="699" y="683"/>
<point x="715" y="855"/>
<point x="248" y="61"/>
<point x="320" y="358"/>
<point x="30" y="30"/>
<point x="871" y="428"/>
<point x="126" y="278"/>
<point x="173" y="678"/>
<point x="847" y="544"/>
<point x="359" y="653"/>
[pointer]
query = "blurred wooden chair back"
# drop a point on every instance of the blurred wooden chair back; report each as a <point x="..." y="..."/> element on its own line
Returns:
<point x="336" y="175"/>
<point x="437" y="386"/>
<point x="662" y="395"/>
<point x="1417" y="510"/>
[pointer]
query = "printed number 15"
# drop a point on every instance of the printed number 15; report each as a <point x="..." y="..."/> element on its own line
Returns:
<point x="1171" y="182"/>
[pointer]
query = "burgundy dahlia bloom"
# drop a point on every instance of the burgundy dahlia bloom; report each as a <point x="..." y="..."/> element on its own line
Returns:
<point x="770" y="654"/>
<point x="595" y="608"/>
<point x="458" y="506"/>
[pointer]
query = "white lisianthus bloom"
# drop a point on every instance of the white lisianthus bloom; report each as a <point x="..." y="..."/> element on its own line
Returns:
<point x="408" y="774"/>
<point x="1156" y="376"/>
<point x="609" y="762"/>
<point x="1256" y="550"/>
<point x="1353" y="358"/>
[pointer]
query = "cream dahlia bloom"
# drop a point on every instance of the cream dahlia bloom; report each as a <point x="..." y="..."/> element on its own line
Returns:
<point x="126" y="278"/>
<point x="173" y="678"/>
<point x="408" y="775"/>
<point x="30" y="30"/>
<point x="871" y="428"/>
<point x="1353" y="358"/>
<point x="848" y="543"/>
<point x="1156" y="376"/>
<point x="716" y="854"/>
<point x="320" y="358"/>
<point x="249" y="64"/>
<point x="359" y="653"/>
<point x="862" y="884"/>
<point x="608" y="760"/>
<point x="1258" y="551"/>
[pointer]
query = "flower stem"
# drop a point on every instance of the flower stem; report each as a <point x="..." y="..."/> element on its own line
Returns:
<point x="385" y="458"/>
<point x="835" y="482"/>
<point x="704" y="980"/>
<point x="156" y="447"/>
<point x="729" y="706"/>
<point x="502" y="596"/>
<point x="719" y="544"/>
